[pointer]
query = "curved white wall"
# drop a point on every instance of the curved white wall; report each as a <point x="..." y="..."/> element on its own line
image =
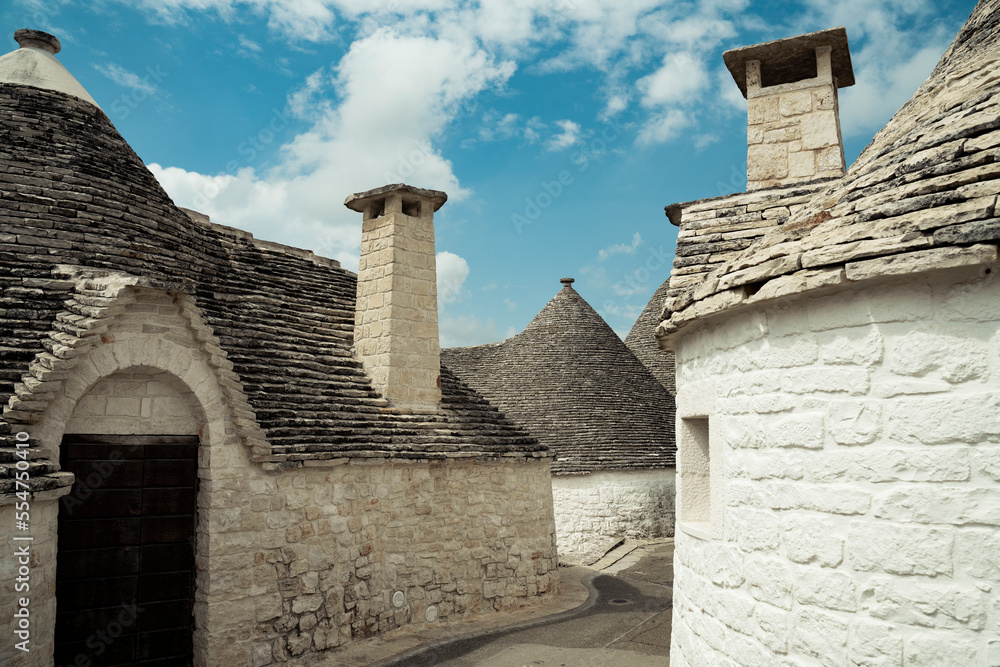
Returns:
<point x="856" y="438"/>
<point x="596" y="511"/>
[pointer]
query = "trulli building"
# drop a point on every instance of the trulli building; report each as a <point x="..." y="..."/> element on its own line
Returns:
<point x="197" y="464"/>
<point x="571" y="382"/>
<point x="837" y="343"/>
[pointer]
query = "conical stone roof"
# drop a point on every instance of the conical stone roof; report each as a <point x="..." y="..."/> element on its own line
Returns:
<point x="641" y="340"/>
<point x="921" y="196"/>
<point x="573" y="384"/>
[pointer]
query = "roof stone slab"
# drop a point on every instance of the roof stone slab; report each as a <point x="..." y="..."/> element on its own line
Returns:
<point x="923" y="195"/>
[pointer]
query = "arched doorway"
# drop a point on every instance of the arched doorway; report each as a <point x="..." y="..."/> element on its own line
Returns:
<point x="125" y="573"/>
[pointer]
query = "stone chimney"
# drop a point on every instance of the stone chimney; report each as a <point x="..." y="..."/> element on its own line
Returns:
<point x="793" y="121"/>
<point x="396" y="320"/>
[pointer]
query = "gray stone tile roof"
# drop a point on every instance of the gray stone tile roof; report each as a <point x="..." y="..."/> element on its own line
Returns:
<point x="572" y="383"/>
<point x="72" y="192"/>
<point x="921" y="196"/>
<point x="641" y="340"/>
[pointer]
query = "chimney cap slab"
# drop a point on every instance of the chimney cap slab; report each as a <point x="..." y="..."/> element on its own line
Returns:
<point x="359" y="201"/>
<point x="794" y="58"/>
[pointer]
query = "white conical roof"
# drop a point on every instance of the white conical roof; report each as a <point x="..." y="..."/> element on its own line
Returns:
<point x="35" y="64"/>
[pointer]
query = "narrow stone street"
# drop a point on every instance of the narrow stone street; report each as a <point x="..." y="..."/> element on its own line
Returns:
<point x="626" y="621"/>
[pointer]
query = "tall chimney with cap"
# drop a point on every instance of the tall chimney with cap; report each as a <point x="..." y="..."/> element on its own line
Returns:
<point x="793" y="121"/>
<point x="396" y="319"/>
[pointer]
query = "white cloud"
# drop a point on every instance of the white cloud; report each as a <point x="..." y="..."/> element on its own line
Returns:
<point x="882" y="88"/>
<point x="679" y="80"/>
<point x="703" y="141"/>
<point x="125" y="78"/>
<point x="468" y="330"/>
<point x="452" y="270"/>
<point x="569" y="136"/>
<point x="360" y="144"/>
<point x="620" y="248"/>
<point x="894" y="47"/>
<point x="508" y="126"/>
<point x="249" y="44"/>
<point x="663" y="127"/>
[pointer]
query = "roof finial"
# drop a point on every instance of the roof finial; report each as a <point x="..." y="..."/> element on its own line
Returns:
<point x="37" y="39"/>
<point x="567" y="282"/>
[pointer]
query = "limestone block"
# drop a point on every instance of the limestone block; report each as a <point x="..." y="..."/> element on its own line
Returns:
<point x="968" y="300"/>
<point x="825" y="588"/>
<point x="772" y="627"/>
<point x="956" y="505"/>
<point x="821" y="635"/>
<point x="875" y="644"/>
<point x="854" y="381"/>
<point x="762" y="110"/>
<point x="767" y="161"/>
<point x="802" y="164"/>
<point x="830" y="159"/>
<point x="768" y="580"/>
<point x="796" y="103"/>
<point x="809" y="540"/>
<point x="874" y="546"/>
<point x="882" y="464"/>
<point x="798" y="430"/>
<point x="940" y="649"/>
<point x="977" y="553"/>
<point x="946" y="605"/>
<point x="923" y="260"/>
<point x="937" y="420"/>
<point x="824" y="98"/>
<point x="855" y="423"/>
<point x="819" y="130"/>
<point x="860" y="346"/>
<point x="755" y="530"/>
<point x="781" y="133"/>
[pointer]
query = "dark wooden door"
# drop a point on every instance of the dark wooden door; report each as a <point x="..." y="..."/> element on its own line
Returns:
<point x="125" y="571"/>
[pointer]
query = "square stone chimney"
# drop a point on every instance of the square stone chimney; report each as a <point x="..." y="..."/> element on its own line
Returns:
<point x="793" y="121"/>
<point x="396" y="318"/>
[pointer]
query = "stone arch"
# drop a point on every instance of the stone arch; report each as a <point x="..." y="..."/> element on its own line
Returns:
<point x="113" y="325"/>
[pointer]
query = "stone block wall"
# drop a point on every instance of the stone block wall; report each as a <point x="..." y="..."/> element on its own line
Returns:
<point x="396" y="328"/>
<point x="596" y="511"/>
<point x="793" y="129"/>
<point x="304" y="561"/>
<point x="860" y="446"/>
<point x="40" y="581"/>
<point x="135" y="403"/>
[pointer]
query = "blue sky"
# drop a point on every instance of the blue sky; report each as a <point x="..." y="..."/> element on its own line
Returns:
<point x="559" y="128"/>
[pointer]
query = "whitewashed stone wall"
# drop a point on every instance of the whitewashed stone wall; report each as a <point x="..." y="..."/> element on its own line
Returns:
<point x="595" y="511"/>
<point x="860" y="445"/>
